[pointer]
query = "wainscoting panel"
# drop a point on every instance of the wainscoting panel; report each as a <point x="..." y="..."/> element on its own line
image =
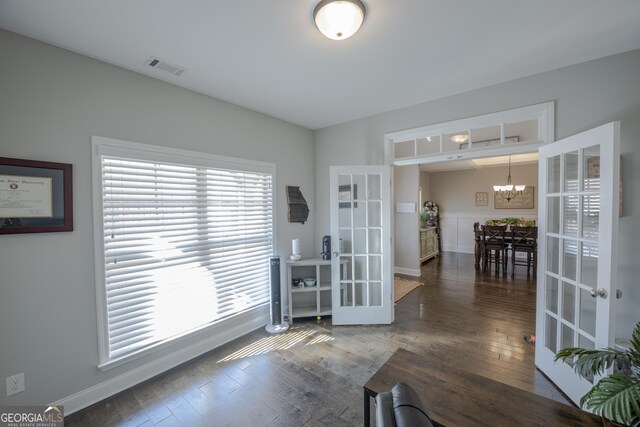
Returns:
<point x="457" y="229"/>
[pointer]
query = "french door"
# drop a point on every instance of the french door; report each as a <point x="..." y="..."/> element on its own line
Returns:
<point x="361" y="268"/>
<point x="578" y="227"/>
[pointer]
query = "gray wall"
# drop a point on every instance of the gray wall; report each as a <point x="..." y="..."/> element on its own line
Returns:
<point x="586" y="95"/>
<point x="425" y="183"/>
<point x="51" y="102"/>
<point x="455" y="191"/>
<point x="406" y="228"/>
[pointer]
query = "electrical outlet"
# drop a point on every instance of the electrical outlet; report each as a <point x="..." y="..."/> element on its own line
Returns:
<point x="15" y="384"/>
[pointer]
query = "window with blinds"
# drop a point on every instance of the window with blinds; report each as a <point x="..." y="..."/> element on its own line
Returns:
<point x="184" y="246"/>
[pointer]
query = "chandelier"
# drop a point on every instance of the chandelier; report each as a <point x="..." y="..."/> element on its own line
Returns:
<point x="508" y="191"/>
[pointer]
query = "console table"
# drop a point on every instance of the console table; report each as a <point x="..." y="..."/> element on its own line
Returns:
<point x="429" y="246"/>
<point x="454" y="396"/>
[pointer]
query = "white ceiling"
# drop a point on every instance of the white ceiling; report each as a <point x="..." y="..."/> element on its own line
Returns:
<point x="267" y="55"/>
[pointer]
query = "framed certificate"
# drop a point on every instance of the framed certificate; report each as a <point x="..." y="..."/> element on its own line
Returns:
<point x="35" y="197"/>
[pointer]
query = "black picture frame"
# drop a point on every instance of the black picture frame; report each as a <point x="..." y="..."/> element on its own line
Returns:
<point x="345" y="193"/>
<point x="60" y="177"/>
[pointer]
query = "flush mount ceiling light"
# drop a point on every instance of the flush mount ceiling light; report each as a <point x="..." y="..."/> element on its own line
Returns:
<point x="460" y="139"/>
<point x="339" y="19"/>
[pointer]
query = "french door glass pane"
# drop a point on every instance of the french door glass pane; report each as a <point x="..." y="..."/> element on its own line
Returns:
<point x="571" y="172"/>
<point x="375" y="241"/>
<point x="344" y="214"/>
<point x="348" y="260"/>
<point x="589" y="264"/>
<point x="591" y="169"/>
<point x="375" y="294"/>
<point x="587" y="312"/>
<point x="375" y="214"/>
<point x="360" y="268"/>
<point x="373" y="187"/>
<point x="553" y="214"/>
<point x="359" y="214"/>
<point x="346" y="294"/>
<point x="360" y="294"/>
<point x="566" y="339"/>
<point x="570" y="217"/>
<point x="584" y="342"/>
<point x="346" y="242"/>
<point x="359" y="187"/>
<point x="551" y="333"/>
<point x="569" y="258"/>
<point x="553" y="254"/>
<point x="342" y="181"/>
<point x="553" y="174"/>
<point x="375" y="267"/>
<point x="568" y="302"/>
<point x="590" y="216"/>
<point x="359" y="241"/>
<point x="552" y="294"/>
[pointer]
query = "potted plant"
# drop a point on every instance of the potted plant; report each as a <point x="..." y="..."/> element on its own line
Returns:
<point x="423" y="216"/>
<point x="616" y="396"/>
<point x="433" y="211"/>
<point x="511" y="221"/>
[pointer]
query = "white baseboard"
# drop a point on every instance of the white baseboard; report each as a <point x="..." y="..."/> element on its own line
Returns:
<point x="408" y="271"/>
<point x="458" y="249"/>
<point x="220" y="334"/>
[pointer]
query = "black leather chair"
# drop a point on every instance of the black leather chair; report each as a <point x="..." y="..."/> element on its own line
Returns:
<point x="401" y="407"/>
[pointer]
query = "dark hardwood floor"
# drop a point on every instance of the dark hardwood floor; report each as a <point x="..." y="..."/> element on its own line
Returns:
<point x="313" y="374"/>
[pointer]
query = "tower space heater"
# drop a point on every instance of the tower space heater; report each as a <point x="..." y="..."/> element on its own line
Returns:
<point x="276" y="325"/>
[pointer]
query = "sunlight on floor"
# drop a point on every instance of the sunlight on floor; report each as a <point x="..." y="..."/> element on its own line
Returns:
<point x="278" y="342"/>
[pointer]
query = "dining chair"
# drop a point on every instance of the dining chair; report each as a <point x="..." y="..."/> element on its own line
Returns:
<point x="477" y="234"/>
<point x="524" y="240"/>
<point x="494" y="246"/>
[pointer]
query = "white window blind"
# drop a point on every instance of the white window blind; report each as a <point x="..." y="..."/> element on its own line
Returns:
<point x="184" y="246"/>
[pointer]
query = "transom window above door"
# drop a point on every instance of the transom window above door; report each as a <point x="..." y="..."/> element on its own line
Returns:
<point x="519" y="130"/>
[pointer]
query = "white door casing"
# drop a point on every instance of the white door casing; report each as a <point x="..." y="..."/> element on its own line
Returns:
<point x="362" y="292"/>
<point x="577" y="245"/>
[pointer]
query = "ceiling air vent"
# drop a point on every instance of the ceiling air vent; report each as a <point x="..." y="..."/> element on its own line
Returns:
<point x="164" y="66"/>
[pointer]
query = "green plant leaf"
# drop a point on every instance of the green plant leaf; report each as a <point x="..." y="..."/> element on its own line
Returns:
<point x="594" y="362"/>
<point x="634" y="350"/>
<point x="616" y="397"/>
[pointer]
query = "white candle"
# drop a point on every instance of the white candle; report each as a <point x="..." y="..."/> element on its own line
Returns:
<point x="295" y="246"/>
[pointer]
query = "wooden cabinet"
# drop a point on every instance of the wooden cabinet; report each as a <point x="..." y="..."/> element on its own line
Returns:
<point x="428" y="243"/>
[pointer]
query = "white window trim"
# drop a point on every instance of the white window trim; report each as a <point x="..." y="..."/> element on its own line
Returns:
<point x="544" y="113"/>
<point x="114" y="147"/>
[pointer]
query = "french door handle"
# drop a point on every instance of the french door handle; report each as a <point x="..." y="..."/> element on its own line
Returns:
<point x="618" y="294"/>
<point x="602" y="293"/>
<point x="335" y="254"/>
